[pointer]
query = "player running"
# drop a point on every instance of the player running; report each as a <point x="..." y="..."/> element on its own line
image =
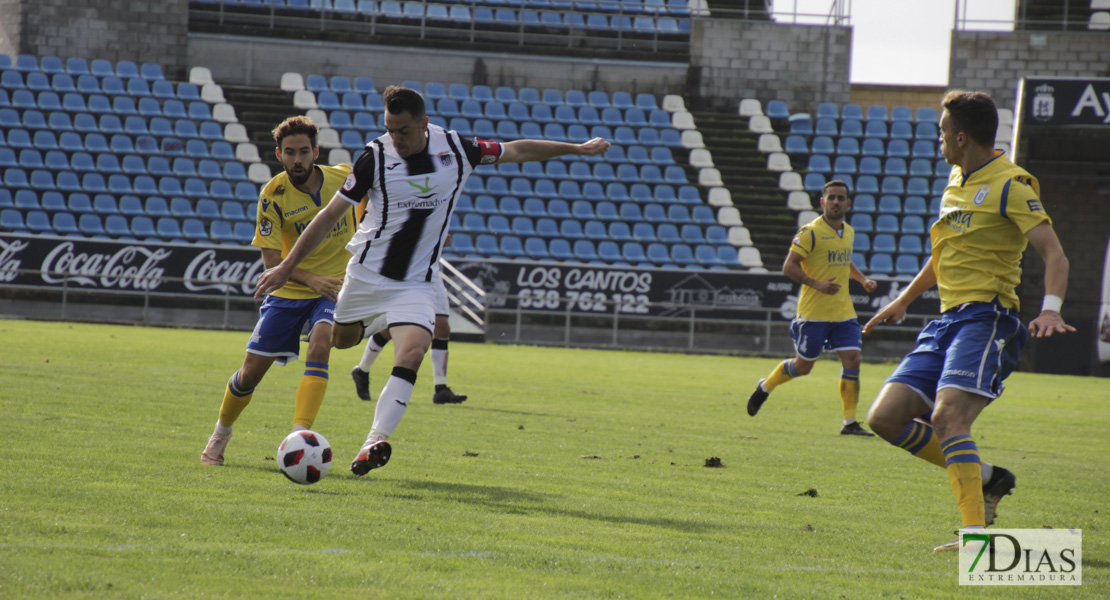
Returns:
<point x="990" y="211"/>
<point x="820" y="259"/>
<point x="286" y="205"/>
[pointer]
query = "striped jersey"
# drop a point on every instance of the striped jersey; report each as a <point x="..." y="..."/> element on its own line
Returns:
<point x="410" y="201"/>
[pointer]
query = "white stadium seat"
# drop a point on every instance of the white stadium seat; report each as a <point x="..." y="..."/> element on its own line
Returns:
<point x="806" y="216"/>
<point x="304" y="100"/>
<point x="790" y="182"/>
<point x="749" y="257"/>
<point x="339" y="156"/>
<point x="200" y="76"/>
<point x="673" y="103"/>
<point x="259" y="172"/>
<point x="701" y="158"/>
<point x="779" y="162"/>
<point x="710" y="177"/>
<point x="769" y="142"/>
<point x="319" y="117"/>
<point x="236" y="133"/>
<point x="328" y="138"/>
<point x="212" y="93"/>
<point x="798" y="201"/>
<point x="750" y="107"/>
<point x="719" y="196"/>
<point x="729" y="216"/>
<point x="760" y="124"/>
<point x="292" y="82"/>
<point x="247" y="153"/>
<point x="691" y="138"/>
<point x="739" y="236"/>
<point x="682" y="120"/>
<point x="224" y="113"/>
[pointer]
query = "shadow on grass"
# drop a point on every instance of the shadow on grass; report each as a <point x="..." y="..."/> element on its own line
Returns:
<point x="514" y="412"/>
<point x="515" y="501"/>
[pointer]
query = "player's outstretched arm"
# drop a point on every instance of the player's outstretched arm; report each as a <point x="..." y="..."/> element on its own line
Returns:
<point x="896" y="310"/>
<point x="530" y="150"/>
<point x="1056" y="267"/>
<point x="315" y="233"/>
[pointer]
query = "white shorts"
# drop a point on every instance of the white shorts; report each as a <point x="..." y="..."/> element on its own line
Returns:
<point x="379" y="302"/>
<point x="443" y="308"/>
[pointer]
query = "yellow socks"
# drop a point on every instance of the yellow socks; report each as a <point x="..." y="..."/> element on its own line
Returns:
<point x="964" y="471"/>
<point x="849" y="392"/>
<point x="783" y="372"/>
<point x="236" y="398"/>
<point x="310" y="394"/>
<point x="919" y="440"/>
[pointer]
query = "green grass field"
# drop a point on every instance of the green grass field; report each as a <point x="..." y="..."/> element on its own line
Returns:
<point x="568" y="473"/>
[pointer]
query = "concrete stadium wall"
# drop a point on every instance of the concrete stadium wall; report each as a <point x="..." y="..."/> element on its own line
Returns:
<point x="994" y="62"/>
<point x="799" y="64"/>
<point x="136" y="30"/>
<point x="262" y="62"/>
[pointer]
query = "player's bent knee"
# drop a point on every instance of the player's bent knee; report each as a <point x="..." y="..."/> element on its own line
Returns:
<point x="347" y="335"/>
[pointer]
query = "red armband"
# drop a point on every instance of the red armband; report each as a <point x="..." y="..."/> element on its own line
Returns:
<point x="491" y="151"/>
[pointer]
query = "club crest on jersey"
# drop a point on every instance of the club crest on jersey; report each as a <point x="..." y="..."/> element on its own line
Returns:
<point x="445" y="159"/>
<point x="981" y="195"/>
<point x="265" y="227"/>
<point x="350" y="182"/>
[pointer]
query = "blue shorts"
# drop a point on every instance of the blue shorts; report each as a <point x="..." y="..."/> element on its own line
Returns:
<point x="280" y="321"/>
<point x="811" y="337"/>
<point x="972" y="348"/>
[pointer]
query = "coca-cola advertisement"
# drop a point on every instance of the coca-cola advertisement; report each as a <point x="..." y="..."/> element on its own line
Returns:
<point x="48" y="261"/>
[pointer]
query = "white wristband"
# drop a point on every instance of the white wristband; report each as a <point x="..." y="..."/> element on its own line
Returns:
<point x="1052" y="303"/>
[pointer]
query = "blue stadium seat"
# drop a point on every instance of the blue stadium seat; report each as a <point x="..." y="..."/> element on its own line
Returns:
<point x="560" y="249"/>
<point x="913" y="224"/>
<point x="909" y="244"/>
<point x="875" y="129"/>
<point x="571" y="229"/>
<point x="927" y="114"/>
<point x="39" y="222"/>
<point x="906" y="266"/>
<point x="880" y="264"/>
<point x="861" y="223"/>
<point x="886" y="223"/>
<point x="584" y="250"/>
<point x="861" y="242"/>
<point x="847" y="146"/>
<point x="776" y="109"/>
<point x="895" y="166"/>
<point x="884" y="242"/>
<point x="536" y="248"/>
<point x="220" y="231"/>
<point x="90" y="225"/>
<point x="12" y="220"/>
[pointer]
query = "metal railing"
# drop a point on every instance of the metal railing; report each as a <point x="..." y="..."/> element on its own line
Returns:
<point x="908" y="328"/>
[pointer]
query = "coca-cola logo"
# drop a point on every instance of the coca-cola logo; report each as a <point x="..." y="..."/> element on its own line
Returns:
<point x="9" y="265"/>
<point x="130" y="267"/>
<point x="205" y="272"/>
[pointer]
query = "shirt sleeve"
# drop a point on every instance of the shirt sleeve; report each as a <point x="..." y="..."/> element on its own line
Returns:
<point x="361" y="178"/>
<point x="1022" y="202"/>
<point x="803" y="242"/>
<point x="268" y="220"/>
<point x="481" y="152"/>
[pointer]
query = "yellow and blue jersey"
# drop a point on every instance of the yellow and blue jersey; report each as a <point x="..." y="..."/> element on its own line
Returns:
<point x="979" y="237"/>
<point x="826" y="253"/>
<point x="285" y="211"/>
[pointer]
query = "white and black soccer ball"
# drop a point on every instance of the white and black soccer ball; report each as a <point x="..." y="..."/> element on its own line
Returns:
<point x="304" y="457"/>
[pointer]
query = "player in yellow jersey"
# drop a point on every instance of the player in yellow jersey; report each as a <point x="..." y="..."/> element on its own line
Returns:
<point x="820" y="259"/>
<point x="285" y="207"/>
<point x="989" y="212"/>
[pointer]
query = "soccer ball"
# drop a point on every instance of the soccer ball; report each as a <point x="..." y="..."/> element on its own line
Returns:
<point x="304" y="457"/>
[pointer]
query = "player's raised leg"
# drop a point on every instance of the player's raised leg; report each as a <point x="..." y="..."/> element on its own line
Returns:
<point x="782" y="373"/>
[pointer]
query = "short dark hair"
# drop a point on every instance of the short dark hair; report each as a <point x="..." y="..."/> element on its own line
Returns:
<point x="835" y="183"/>
<point x="399" y="100"/>
<point x="296" y="126"/>
<point x="973" y="113"/>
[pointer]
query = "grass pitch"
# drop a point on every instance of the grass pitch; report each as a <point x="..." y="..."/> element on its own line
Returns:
<point x="568" y="473"/>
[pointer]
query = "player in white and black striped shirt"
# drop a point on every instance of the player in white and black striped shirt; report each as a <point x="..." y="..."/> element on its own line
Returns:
<point x="413" y="175"/>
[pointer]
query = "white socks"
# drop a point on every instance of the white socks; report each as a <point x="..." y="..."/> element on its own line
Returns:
<point x="392" y="403"/>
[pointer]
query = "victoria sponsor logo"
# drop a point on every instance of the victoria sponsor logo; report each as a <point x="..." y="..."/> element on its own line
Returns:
<point x="130" y="267"/>
<point x="207" y="272"/>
